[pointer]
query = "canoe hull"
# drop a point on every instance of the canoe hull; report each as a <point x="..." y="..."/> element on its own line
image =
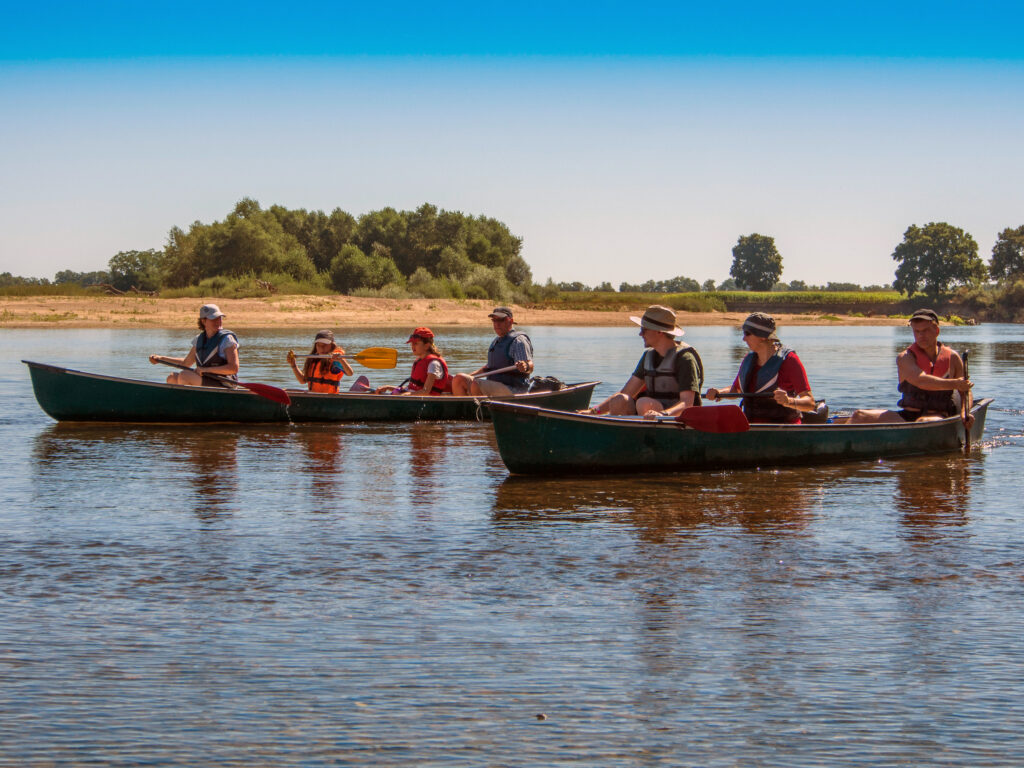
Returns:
<point x="535" y="441"/>
<point x="68" y="395"/>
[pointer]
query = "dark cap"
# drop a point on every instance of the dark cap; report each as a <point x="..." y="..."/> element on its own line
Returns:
<point x="324" y="335"/>
<point x="761" y="325"/>
<point x="925" y="314"/>
<point x="500" y="313"/>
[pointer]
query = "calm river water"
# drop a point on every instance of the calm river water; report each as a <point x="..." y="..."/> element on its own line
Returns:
<point x="387" y="595"/>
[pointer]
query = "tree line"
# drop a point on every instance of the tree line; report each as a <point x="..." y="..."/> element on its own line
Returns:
<point x="931" y="260"/>
<point x="447" y="254"/>
<point x="436" y="253"/>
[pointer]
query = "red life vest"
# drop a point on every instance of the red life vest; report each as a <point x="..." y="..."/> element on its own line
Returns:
<point x="419" y="375"/>
<point x="322" y="377"/>
<point x="942" y="361"/>
<point x="928" y="400"/>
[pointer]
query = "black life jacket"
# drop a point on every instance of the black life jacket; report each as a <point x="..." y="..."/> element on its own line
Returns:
<point x="499" y="356"/>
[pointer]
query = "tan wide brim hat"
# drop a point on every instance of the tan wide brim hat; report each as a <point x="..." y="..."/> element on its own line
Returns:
<point x="659" y="318"/>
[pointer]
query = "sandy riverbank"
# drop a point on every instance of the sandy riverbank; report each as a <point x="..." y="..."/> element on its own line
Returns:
<point x="334" y="312"/>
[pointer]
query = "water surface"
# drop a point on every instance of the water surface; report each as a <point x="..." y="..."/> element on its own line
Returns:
<point x="387" y="594"/>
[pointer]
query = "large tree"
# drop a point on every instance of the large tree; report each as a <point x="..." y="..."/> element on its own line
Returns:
<point x="135" y="269"/>
<point x="756" y="263"/>
<point x="934" y="258"/>
<point x="1008" y="254"/>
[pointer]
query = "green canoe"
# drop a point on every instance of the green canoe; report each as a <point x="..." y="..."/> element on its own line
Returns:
<point x="539" y="441"/>
<point x="69" y="395"/>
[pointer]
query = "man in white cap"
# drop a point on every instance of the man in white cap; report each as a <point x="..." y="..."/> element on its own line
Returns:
<point x="510" y="348"/>
<point x="669" y="376"/>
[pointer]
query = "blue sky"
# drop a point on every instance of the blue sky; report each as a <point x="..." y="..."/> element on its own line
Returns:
<point x="621" y="144"/>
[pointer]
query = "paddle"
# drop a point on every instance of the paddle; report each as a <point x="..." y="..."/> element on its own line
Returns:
<point x="752" y="395"/>
<point x="362" y="384"/>
<point x="965" y="402"/>
<point x="485" y="374"/>
<point x="715" y="418"/>
<point x="263" y="390"/>
<point x="373" y="357"/>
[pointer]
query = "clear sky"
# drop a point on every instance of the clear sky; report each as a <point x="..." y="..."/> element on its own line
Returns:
<point x="620" y="143"/>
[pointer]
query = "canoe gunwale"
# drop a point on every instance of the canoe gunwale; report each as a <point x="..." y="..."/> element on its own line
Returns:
<point x="671" y="423"/>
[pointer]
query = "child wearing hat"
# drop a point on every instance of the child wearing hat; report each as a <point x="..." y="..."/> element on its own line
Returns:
<point x="429" y="371"/>
<point x="322" y="374"/>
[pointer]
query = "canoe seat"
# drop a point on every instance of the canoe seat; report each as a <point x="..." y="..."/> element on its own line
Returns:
<point x="818" y="416"/>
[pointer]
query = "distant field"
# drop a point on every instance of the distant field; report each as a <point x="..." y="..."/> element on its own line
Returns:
<point x="790" y="302"/>
<point x="843" y="302"/>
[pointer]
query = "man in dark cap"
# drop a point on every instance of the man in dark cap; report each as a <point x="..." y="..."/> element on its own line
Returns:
<point x="510" y="348"/>
<point x="929" y="374"/>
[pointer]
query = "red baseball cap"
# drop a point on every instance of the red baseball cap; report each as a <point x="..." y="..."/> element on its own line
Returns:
<point x="423" y="334"/>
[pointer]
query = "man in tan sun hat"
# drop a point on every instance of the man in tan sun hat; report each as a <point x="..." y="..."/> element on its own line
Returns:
<point x="669" y="376"/>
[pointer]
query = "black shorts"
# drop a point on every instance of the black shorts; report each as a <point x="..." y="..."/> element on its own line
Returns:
<point x="210" y="381"/>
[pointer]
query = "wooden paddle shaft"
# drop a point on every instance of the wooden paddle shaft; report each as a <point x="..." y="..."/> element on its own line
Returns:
<point x="485" y="374"/>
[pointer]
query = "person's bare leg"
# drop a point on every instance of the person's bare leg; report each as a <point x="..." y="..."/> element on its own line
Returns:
<point x="875" y="416"/>
<point x="646" y="404"/>
<point x="461" y="384"/>
<point x="621" y="404"/>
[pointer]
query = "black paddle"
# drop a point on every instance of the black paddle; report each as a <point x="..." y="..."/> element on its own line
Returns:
<point x="965" y="402"/>
<point x="263" y="390"/>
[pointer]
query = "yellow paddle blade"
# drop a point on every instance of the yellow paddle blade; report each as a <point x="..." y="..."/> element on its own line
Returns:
<point x="376" y="357"/>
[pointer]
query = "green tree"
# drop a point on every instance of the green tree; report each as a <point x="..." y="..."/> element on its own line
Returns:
<point x="933" y="258"/>
<point x="135" y="269"/>
<point x="454" y="264"/>
<point x="81" y="278"/>
<point x="1008" y="255"/>
<point x="709" y="285"/>
<point x="518" y="271"/>
<point x="756" y="263"/>
<point x="352" y="269"/>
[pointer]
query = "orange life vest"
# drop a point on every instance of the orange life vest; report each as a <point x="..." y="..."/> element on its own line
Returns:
<point x="322" y="377"/>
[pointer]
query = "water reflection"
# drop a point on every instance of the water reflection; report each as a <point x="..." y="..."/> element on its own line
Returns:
<point x="209" y="463"/>
<point x="933" y="493"/>
<point x="661" y="506"/>
<point x="324" y="449"/>
<point x="117" y="465"/>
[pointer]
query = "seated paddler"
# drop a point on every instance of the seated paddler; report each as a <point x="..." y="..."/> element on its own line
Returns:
<point x="429" y="370"/>
<point x="510" y="348"/>
<point x="930" y="376"/>
<point x="214" y="350"/>
<point x="667" y="379"/>
<point x="324" y="366"/>
<point x="771" y="379"/>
